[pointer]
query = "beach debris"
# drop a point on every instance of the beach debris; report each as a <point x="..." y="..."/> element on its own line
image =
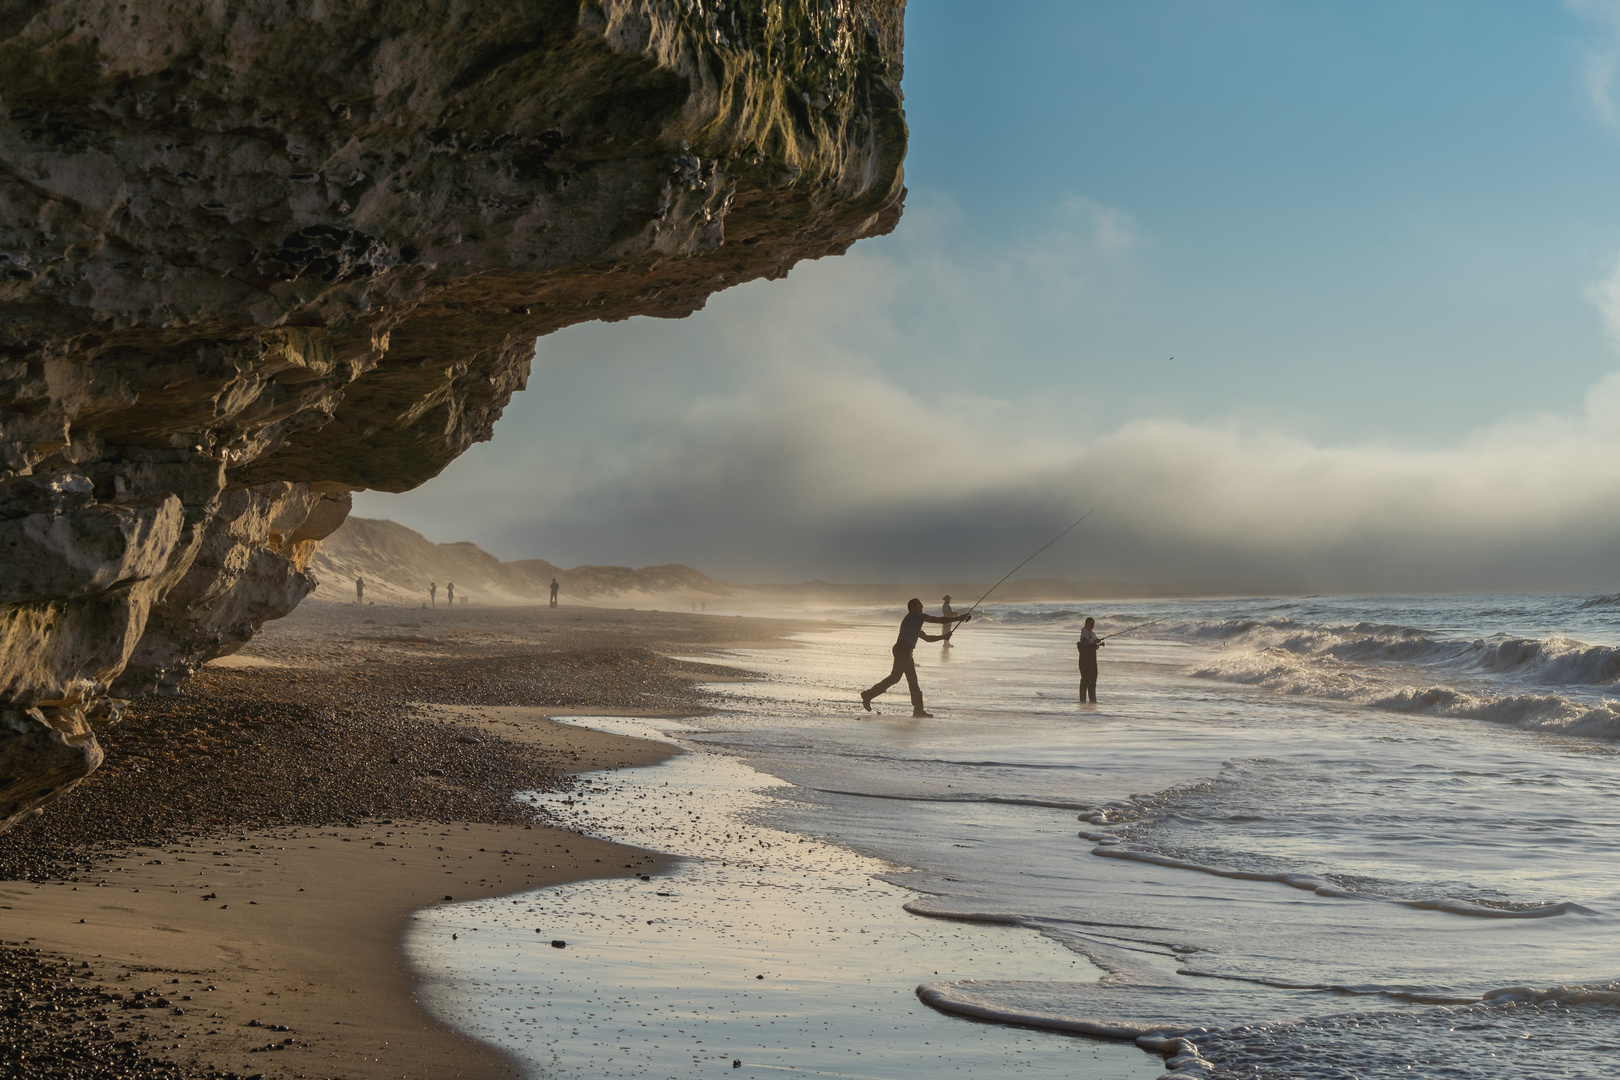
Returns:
<point x="558" y="943"/>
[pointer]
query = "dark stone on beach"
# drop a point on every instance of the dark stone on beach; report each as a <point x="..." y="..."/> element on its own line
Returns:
<point x="558" y="943"/>
<point x="449" y="897"/>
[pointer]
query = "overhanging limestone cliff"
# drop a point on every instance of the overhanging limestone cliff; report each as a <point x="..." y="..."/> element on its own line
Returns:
<point x="256" y="256"/>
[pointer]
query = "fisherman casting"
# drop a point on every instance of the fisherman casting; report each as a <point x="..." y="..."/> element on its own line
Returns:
<point x="911" y="628"/>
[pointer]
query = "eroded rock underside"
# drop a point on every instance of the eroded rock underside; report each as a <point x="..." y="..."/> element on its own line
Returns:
<point x="256" y="256"/>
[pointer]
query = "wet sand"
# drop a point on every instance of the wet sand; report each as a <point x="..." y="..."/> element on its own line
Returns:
<point x="228" y="895"/>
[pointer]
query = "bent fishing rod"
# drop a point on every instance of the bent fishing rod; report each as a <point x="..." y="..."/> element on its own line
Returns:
<point x="1021" y="565"/>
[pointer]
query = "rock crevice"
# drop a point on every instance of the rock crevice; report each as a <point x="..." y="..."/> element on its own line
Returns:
<point x="256" y="256"/>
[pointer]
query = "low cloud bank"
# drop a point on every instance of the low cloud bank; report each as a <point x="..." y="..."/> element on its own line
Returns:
<point x="805" y="473"/>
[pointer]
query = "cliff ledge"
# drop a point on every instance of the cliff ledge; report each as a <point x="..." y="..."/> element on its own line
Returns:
<point x="257" y="256"/>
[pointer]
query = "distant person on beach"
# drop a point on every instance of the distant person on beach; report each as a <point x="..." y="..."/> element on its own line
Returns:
<point x="554" y="588"/>
<point x="947" y="612"/>
<point x="359" y="590"/>
<point x="450" y="593"/>
<point x="433" y="593"/>
<point x="911" y="628"/>
<point x="1088" y="645"/>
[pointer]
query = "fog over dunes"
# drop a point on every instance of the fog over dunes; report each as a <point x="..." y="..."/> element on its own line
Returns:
<point x="398" y="566"/>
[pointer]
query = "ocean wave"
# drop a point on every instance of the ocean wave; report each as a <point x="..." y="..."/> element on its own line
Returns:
<point x="1566" y="1031"/>
<point x="965" y="797"/>
<point x="1291" y="674"/>
<point x="1500" y="1034"/>
<point x="1555" y="660"/>
<point x="1608" y="600"/>
<point x="1322" y="886"/>
<point x="1532" y="712"/>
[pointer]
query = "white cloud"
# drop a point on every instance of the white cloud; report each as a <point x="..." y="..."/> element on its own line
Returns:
<point x="1600" y="57"/>
<point x="1605" y="296"/>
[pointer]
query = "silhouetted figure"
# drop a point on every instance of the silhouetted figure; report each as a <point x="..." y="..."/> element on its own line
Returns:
<point x="433" y="593"/>
<point x="359" y="590"/>
<point x="911" y="628"/>
<point x="554" y="589"/>
<point x="1088" y="645"/>
<point x="947" y="612"/>
<point x="450" y="593"/>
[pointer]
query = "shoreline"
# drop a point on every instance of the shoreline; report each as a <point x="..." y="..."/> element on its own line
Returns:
<point x="303" y="929"/>
<point x="242" y="948"/>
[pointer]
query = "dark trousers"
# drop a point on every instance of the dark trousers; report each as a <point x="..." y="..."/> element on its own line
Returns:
<point x="905" y="665"/>
<point x="1088" y="679"/>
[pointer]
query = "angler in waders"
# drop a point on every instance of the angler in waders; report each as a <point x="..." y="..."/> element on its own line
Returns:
<point x="1088" y="645"/>
<point x="911" y="628"/>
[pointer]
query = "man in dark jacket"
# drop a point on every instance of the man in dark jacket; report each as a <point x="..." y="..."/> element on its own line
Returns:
<point x="911" y="628"/>
<point x="1088" y="645"/>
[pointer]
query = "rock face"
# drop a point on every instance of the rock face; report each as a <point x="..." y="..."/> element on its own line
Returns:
<point x="255" y="256"/>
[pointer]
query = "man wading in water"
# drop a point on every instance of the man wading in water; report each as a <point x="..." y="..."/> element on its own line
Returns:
<point x="911" y="628"/>
<point x="1088" y="645"/>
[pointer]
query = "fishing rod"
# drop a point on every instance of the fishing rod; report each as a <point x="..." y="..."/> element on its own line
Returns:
<point x="1138" y="626"/>
<point x="1021" y="565"/>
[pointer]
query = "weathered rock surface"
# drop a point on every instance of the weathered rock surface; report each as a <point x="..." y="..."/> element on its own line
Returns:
<point x="255" y="256"/>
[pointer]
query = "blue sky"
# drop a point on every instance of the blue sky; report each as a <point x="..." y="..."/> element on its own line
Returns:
<point x="1379" y="239"/>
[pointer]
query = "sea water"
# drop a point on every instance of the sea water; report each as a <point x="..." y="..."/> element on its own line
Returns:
<point x="1296" y="837"/>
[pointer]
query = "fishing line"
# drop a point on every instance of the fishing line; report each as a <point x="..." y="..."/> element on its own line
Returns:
<point x="1021" y="565"/>
<point x="1138" y="626"/>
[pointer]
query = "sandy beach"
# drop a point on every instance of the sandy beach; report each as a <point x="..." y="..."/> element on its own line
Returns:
<point x="227" y="896"/>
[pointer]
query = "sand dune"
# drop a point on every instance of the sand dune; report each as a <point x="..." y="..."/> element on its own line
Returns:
<point x="398" y="564"/>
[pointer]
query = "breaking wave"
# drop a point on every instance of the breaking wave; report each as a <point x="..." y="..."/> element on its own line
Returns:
<point x="1552" y="661"/>
<point x="1290" y="673"/>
